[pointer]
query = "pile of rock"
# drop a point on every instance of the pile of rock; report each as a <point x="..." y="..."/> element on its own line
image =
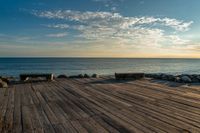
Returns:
<point x="79" y="76"/>
<point x="4" y="82"/>
<point x="183" y="78"/>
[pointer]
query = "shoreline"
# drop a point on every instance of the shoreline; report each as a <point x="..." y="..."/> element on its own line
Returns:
<point x="182" y="78"/>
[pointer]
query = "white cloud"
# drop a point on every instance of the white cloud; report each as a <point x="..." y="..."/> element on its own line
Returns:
<point x="107" y="18"/>
<point x="76" y="15"/>
<point x="57" y="35"/>
<point x="59" y="26"/>
<point x="118" y="29"/>
<point x="176" y="24"/>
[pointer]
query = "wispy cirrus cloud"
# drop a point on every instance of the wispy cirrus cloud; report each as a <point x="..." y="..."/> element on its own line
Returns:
<point x="59" y="26"/>
<point x="119" y="29"/>
<point x="107" y="18"/>
<point x="58" y="35"/>
<point x="16" y="38"/>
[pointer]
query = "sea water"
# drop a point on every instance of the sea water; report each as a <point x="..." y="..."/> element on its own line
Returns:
<point x="104" y="66"/>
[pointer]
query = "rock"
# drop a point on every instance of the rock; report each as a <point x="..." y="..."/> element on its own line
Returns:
<point x="3" y="84"/>
<point x="148" y="75"/>
<point x="158" y="76"/>
<point x="177" y="79"/>
<point x="164" y="77"/>
<point x="195" y="80"/>
<point x="80" y="76"/>
<point x="198" y="77"/>
<point x="171" y="78"/>
<point x="7" y="80"/>
<point x="194" y="76"/>
<point x="154" y="76"/>
<point x="186" y="79"/>
<point x="62" y="76"/>
<point x="94" y="76"/>
<point x="73" y="76"/>
<point x="86" y="76"/>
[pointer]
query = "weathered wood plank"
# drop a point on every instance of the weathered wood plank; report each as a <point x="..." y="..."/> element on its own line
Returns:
<point x="17" y="110"/>
<point x="8" y="122"/>
<point x="4" y="109"/>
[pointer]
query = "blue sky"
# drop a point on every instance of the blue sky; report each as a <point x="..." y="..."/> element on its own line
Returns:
<point x="100" y="28"/>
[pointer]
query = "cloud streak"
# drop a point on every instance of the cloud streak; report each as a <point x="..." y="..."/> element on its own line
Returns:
<point x="58" y="26"/>
<point x="58" y="35"/>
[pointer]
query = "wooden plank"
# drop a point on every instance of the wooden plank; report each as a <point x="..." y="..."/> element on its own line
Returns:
<point x="17" y="110"/>
<point x="4" y="109"/>
<point x="79" y="128"/>
<point x="8" y="121"/>
<point x="59" y="128"/>
<point x="69" y="128"/>
<point x="45" y="123"/>
<point x="26" y="120"/>
<point x="105" y="124"/>
<point x="92" y="126"/>
<point x="35" y="120"/>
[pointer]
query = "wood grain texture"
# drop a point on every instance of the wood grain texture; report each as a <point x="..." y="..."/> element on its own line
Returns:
<point x="100" y="105"/>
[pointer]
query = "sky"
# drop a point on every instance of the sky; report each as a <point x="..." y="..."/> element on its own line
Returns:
<point x="100" y="28"/>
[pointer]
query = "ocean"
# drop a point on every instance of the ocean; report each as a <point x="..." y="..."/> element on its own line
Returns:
<point x="103" y="66"/>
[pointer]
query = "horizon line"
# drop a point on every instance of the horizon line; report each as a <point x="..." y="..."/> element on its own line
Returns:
<point x="101" y="57"/>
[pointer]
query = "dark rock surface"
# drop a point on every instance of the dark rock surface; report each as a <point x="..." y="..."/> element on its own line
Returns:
<point x="183" y="78"/>
<point x="94" y="76"/>
<point x="62" y="76"/>
<point x="81" y="76"/>
<point x="86" y="76"/>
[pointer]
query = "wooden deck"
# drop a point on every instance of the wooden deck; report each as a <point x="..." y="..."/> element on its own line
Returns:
<point x="98" y="106"/>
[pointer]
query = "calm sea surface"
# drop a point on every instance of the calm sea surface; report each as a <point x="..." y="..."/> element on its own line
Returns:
<point x="71" y="66"/>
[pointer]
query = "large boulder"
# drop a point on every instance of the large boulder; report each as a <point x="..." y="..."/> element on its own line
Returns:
<point x="186" y="79"/>
<point x="62" y="76"/>
<point x="73" y="76"/>
<point x="177" y="79"/>
<point x="3" y="84"/>
<point x="198" y="77"/>
<point x="171" y="78"/>
<point x="5" y="79"/>
<point x="94" y="76"/>
<point x="148" y="75"/>
<point x="86" y="76"/>
<point x="164" y="77"/>
<point x="155" y="76"/>
<point x="195" y="80"/>
<point x="80" y="76"/>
